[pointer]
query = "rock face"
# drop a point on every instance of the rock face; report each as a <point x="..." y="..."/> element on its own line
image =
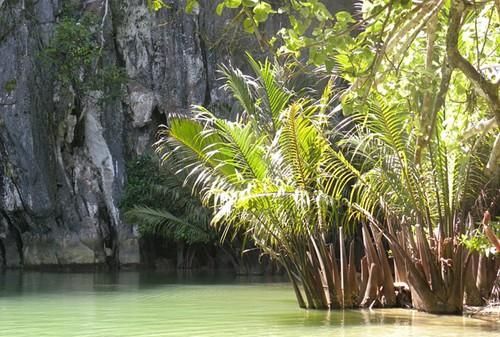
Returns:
<point x="62" y="157"/>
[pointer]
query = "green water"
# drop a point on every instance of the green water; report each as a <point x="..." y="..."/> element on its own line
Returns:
<point x="149" y="304"/>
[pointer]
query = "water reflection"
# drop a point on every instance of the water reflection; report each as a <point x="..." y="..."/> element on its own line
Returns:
<point x="135" y="304"/>
<point x="398" y="318"/>
<point x="16" y="282"/>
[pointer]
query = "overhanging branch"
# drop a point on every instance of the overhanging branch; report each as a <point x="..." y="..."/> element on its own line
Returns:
<point x="487" y="89"/>
<point x="482" y="126"/>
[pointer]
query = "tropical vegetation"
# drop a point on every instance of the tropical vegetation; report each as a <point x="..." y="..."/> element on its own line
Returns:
<point x="263" y="173"/>
<point x="158" y="199"/>
<point x="412" y="162"/>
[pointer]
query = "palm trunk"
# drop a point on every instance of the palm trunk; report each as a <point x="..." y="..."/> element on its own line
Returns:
<point x="438" y="286"/>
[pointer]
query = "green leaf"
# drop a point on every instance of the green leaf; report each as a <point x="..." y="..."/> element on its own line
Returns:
<point x="191" y="5"/>
<point x="220" y="8"/>
<point x="262" y="11"/>
<point x="232" y="3"/>
<point x="300" y="25"/>
<point x="344" y="17"/>
<point x="321" y="12"/>
<point x="249" y="3"/>
<point x="343" y="20"/>
<point x="276" y="96"/>
<point x="156" y="5"/>
<point x="317" y="56"/>
<point x="249" y="25"/>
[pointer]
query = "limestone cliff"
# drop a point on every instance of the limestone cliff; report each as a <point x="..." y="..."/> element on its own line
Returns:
<point x="62" y="155"/>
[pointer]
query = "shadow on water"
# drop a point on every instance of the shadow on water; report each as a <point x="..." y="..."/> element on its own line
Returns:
<point x="17" y="282"/>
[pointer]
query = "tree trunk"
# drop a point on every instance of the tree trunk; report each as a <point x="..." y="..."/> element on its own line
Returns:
<point x="438" y="286"/>
<point x="472" y="295"/>
<point x="370" y="296"/>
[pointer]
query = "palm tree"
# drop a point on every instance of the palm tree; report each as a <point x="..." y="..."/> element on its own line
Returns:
<point x="422" y="206"/>
<point x="422" y="148"/>
<point x="262" y="174"/>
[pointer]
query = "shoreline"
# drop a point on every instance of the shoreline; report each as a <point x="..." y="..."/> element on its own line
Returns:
<point x="490" y="312"/>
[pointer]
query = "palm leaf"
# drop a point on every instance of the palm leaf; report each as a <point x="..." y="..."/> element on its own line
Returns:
<point x="242" y="87"/>
<point x="162" y="222"/>
<point x="276" y="97"/>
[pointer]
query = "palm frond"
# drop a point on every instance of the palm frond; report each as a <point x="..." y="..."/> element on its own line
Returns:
<point x="161" y="222"/>
<point x="242" y="87"/>
<point x="245" y="147"/>
<point x="276" y="97"/>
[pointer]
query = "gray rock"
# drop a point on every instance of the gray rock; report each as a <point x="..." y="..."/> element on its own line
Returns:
<point x="62" y="157"/>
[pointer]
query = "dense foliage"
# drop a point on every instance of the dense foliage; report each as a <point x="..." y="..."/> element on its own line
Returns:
<point x="263" y="174"/>
<point x="416" y="158"/>
<point x="157" y="200"/>
<point x="161" y="202"/>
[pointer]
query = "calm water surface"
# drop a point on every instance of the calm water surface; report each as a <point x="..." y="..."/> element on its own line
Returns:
<point x="151" y="304"/>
